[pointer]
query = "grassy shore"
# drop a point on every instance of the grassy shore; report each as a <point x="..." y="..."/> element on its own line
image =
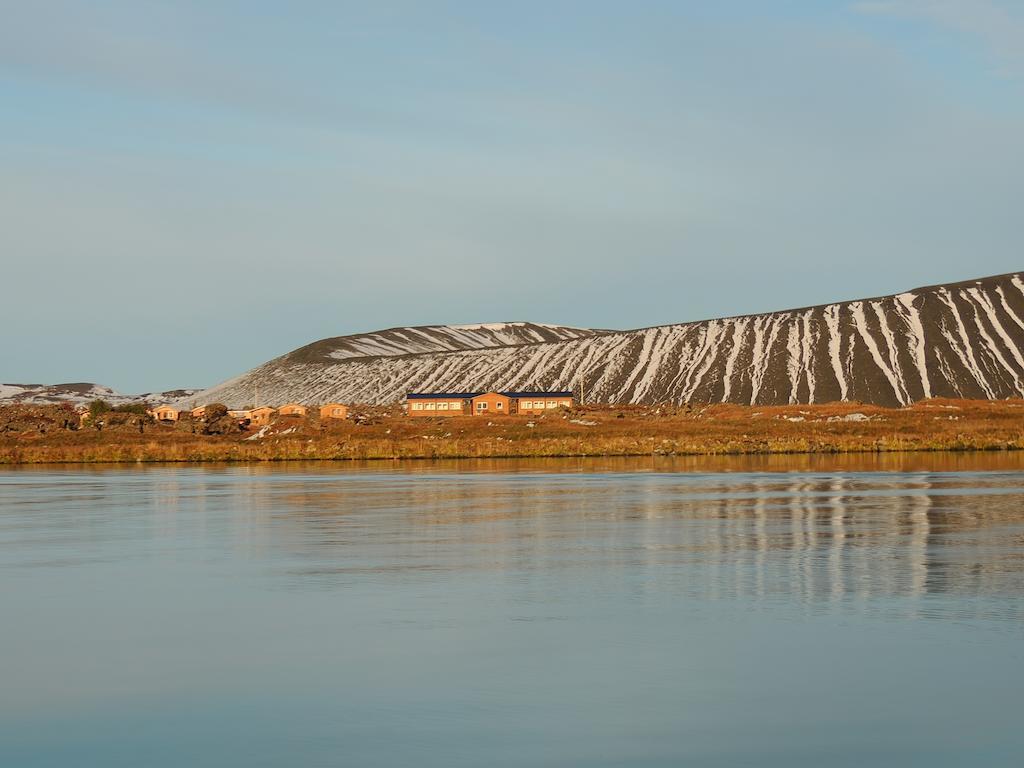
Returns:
<point x="934" y="425"/>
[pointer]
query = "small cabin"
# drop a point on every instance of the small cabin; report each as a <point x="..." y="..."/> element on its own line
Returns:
<point x="198" y="413"/>
<point x="166" y="413"/>
<point x="333" y="411"/>
<point x="491" y="404"/>
<point x="253" y="416"/>
<point x="292" y="409"/>
<point x="262" y="415"/>
<point x="439" y="403"/>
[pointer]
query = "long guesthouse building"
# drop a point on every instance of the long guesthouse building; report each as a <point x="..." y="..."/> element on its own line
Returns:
<point x="439" y="403"/>
<point x="485" y="403"/>
<point x="536" y="403"/>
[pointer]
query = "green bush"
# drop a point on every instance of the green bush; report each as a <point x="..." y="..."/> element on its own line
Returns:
<point x="139" y="409"/>
<point x="97" y="408"/>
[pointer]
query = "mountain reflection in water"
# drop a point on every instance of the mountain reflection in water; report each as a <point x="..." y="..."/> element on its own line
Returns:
<point x="633" y="612"/>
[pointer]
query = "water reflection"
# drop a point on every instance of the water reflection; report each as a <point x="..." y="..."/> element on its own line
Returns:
<point x="813" y="537"/>
<point x="652" y="612"/>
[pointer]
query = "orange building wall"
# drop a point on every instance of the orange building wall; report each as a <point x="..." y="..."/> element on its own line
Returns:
<point x="494" y="405"/>
<point x="534" y="406"/>
<point x="257" y="416"/>
<point x="438" y="407"/>
<point x="334" y="411"/>
<point x="292" y="409"/>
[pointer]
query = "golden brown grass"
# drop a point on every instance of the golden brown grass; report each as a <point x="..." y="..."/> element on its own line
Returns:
<point x="932" y="425"/>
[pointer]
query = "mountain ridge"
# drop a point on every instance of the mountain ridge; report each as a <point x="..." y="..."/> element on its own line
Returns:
<point x="886" y="350"/>
<point x="80" y="393"/>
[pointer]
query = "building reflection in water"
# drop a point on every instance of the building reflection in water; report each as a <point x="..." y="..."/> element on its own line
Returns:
<point x="824" y="535"/>
<point x="818" y="537"/>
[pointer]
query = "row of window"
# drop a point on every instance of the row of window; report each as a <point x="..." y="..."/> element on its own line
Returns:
<point x="456" y="406"/>
<point x="525" y="405"/>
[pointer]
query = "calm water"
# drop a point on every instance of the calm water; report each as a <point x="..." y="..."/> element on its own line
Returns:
<point x="489" y="614"/>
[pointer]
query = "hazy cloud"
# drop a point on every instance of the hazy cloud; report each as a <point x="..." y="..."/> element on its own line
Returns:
<point x="191" y="189"/>
<point x="997" y="28"/>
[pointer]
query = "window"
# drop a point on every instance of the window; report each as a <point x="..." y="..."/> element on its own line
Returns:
<point x="565" y="403"/>
<point x="337" y="411"/>
<point x="527" y="404"/>
<point x="417" y="406"/>
<point x="442" y="406"/>
<point x="499" y="405"/>
<point x="456" y="406"/>
<point x="481" y="406"/>
<point x="429" y="406"/>
<point x="552" y="404"/>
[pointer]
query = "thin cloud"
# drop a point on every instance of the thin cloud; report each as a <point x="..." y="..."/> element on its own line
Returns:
<point x="998" y="30"/>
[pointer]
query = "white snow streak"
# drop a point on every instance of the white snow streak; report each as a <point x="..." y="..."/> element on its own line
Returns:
<point x="835" y="341"/>
<point x="890" y="343"/>
<point x="860" y="322"/>
<point x="982" y="302"/>
<point x="915" y="330"/>
<point x="965" y="352"/>
<point x="738" y="329"/>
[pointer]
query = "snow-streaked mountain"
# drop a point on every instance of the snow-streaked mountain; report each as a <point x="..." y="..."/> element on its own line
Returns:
<point x="432" y="338"/>
<point x="958" y="340"/>
<point x="80" y="393"/>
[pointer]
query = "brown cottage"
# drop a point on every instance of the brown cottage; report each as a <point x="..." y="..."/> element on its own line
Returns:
<point x="292" y="409"/>
<point x="253" y="416"/>
<point x="262" y="415"/>
<point x="333" y="411"/>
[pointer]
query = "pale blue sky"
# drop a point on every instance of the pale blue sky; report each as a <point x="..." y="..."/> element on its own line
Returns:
<point x="189" y="189"/>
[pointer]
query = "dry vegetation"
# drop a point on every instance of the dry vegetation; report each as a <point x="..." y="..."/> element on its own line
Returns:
<point x="667" y="430"/>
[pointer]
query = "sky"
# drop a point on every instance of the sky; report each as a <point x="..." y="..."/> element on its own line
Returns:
<point x="188" y="189"/>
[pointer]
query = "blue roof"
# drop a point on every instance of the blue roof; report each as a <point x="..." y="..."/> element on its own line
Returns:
<point x="537" y="394"/>
<point x="471" y="395"/>
<point x="441" y="395"/>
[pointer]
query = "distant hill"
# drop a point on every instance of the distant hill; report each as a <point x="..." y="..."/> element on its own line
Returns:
<point x="431" y="338"/>
<point x="958" y="340"/>
<point x="81" y="392"/>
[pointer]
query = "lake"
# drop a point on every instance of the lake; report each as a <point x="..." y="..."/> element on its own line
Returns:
<point x="633" y="612"/>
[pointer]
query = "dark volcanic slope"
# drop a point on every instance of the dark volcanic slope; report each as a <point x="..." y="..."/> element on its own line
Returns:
<point x="958" y="340"/>
<point x="431" y="338"/>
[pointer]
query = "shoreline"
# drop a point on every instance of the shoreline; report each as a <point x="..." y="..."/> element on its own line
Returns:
<point x="834" y="429"/>
<point x="930" y="462"/>
<point x="148" y="457"/>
